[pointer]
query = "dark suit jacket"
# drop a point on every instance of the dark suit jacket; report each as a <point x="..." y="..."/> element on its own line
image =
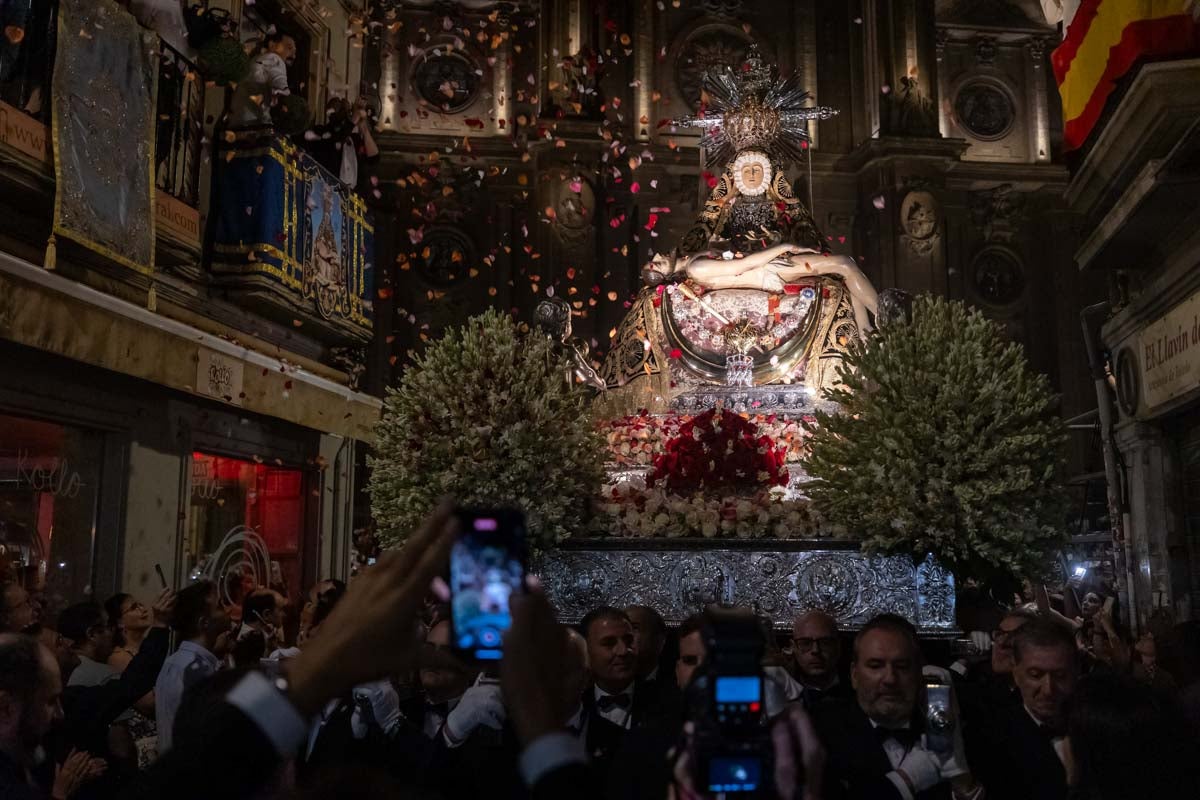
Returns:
<point x="485" y="765"/>
<point x="653" y="703"/>
<point x="815" y="697"/>
<point x="88" y="711"/>
<point x="857" y="765"/>
<point x="231" y="758"/>
<point x="13" y="782"/>
<point x="1017" y="760"/>
<point x="639" y="770"/>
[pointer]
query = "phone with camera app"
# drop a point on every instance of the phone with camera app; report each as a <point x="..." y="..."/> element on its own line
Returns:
<point x="487" y="567"/>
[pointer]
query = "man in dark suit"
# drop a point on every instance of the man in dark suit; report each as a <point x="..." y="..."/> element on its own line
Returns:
<point x="816" y="653"/>
<point x="1023" y="744"/>
<point x="988" y="688"/>
<point x="874" y="742"/>
<point x="616" y="702"/>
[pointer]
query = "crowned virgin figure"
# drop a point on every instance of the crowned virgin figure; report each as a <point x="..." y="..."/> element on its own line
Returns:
<point x="751" y="278"/>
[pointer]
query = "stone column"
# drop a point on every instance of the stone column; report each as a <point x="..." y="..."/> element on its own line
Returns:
<point x="1036" y="76"/>
<point x="806" y="57"/>
<point x="1155" y="524"/>
<point x="643" y="71"/>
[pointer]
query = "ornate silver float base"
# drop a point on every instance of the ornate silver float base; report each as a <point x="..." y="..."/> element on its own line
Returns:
<point x="780" y="580"/>
<point x="790" y="400"/>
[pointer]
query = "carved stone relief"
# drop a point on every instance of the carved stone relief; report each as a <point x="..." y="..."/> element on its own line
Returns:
<point x="446" y="79"/>
<point x="920" y="219"/>
<point x="984" y="110"/>
<point x="574" y="204"/>
<point x="707" y="48"/>
<point x="998" y="277"/>
<point x="445" y="257"/>
<point x="985" y="51"/>
<point x="997" y="212"/>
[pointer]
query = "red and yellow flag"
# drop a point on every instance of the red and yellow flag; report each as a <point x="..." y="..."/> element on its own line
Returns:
<point x="1104" y="40"/>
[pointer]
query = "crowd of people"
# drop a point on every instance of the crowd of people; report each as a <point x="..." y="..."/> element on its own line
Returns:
<point x="363" y="695"/>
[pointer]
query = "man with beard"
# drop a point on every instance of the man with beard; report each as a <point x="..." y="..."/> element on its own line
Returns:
<point x="874" y="741"/>
<point x="30" y="703"/>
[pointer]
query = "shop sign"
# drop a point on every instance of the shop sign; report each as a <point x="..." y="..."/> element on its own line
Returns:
<point x="177" y="219"/>
<point x="23" y="133"/>
<point x="1169" y="349"/>
<point x="220" y="377"/>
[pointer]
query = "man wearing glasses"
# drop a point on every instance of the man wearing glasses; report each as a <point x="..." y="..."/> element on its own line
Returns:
<point x="816" y="654"/>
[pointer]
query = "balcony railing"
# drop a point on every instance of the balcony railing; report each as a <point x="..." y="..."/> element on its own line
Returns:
<point x="27" y="55"/>
<point x="180" y="128"/>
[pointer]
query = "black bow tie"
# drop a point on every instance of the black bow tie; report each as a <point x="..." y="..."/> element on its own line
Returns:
<point x="1052" y="731"/>
<point x="906" y="737"/>
<point x="441" y="709"/>
<point x="605" y="702"/>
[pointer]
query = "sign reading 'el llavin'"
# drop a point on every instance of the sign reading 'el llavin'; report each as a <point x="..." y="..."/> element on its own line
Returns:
<point x="1169" y="349"/>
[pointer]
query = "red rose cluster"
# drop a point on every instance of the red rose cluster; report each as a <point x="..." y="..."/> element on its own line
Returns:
<point x="719" y="450"/>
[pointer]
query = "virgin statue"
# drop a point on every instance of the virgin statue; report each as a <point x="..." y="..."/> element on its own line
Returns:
<point x="750" y="296"/>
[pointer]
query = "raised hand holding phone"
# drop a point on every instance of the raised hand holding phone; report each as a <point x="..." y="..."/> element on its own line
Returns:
<point x="487" y="568"/>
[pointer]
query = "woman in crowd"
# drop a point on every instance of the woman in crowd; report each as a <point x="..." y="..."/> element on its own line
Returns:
<point x="131" y="620"/>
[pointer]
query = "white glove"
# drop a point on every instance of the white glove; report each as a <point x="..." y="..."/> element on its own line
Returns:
<point x="922" y="768"/>
<point x="374" y="703"/>
<point x="982" y="641"/>
<point x="953" y="762"/>
<point x="482" y="704"/>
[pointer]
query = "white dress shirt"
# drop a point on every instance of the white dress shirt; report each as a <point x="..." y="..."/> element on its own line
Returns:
<point x="895" y="753"/>
<point x="622" y="717"/>
<point x="188" y="665"/>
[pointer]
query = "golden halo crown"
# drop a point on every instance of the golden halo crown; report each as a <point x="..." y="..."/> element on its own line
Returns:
<point x="751" y="107"/>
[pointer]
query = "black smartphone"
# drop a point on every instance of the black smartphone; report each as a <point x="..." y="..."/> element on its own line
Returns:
<point x="487" y="567"/>
<point x="161" y="578"/>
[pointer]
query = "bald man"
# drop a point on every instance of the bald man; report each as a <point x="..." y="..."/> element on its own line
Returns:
<point x="816" y="654"/>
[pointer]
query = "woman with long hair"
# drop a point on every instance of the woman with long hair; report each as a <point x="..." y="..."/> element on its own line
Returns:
<point x="130" y="620"/>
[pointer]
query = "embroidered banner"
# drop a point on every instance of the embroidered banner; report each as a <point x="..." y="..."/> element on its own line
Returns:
<point x="104" y="99"/>
<point x="284" y="223"/>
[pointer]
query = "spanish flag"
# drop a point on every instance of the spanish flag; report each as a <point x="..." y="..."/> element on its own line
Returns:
<point x="1104" y="40"/>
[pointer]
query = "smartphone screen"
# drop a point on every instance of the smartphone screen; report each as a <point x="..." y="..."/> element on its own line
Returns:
<point x="734" y="774"/>
<point x="487" y="566"/>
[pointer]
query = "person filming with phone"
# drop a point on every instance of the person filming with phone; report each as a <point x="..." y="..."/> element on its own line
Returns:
<point x="885" y="742"/>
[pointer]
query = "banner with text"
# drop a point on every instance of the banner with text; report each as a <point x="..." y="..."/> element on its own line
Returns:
<point x="1169" y="349"/>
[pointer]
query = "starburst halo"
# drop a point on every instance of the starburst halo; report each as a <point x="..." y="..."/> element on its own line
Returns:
<point x="753" y="108"/>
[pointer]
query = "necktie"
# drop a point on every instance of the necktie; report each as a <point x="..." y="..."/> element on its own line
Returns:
<point x="441" y="709"/>
<point x="906" y="737"/>
<point x="606" y="702"/>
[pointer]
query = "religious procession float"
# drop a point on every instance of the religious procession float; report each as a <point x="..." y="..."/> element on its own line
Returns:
<point x="766" y="430"/>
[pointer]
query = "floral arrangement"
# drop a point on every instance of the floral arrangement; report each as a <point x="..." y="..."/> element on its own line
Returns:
<point x="485" y="415"/>
<point x="946" y="443"/>
<point x="631" y="511"/>
<point x="635" y="441"/>
<point x="719" y="450"/>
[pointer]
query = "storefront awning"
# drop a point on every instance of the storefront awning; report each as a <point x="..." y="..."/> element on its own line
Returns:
<point x="46" y="311"/>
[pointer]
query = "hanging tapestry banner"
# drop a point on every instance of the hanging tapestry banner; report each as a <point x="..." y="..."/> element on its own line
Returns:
<point x="290" y="233"/>
<point x="104" y="101"/>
